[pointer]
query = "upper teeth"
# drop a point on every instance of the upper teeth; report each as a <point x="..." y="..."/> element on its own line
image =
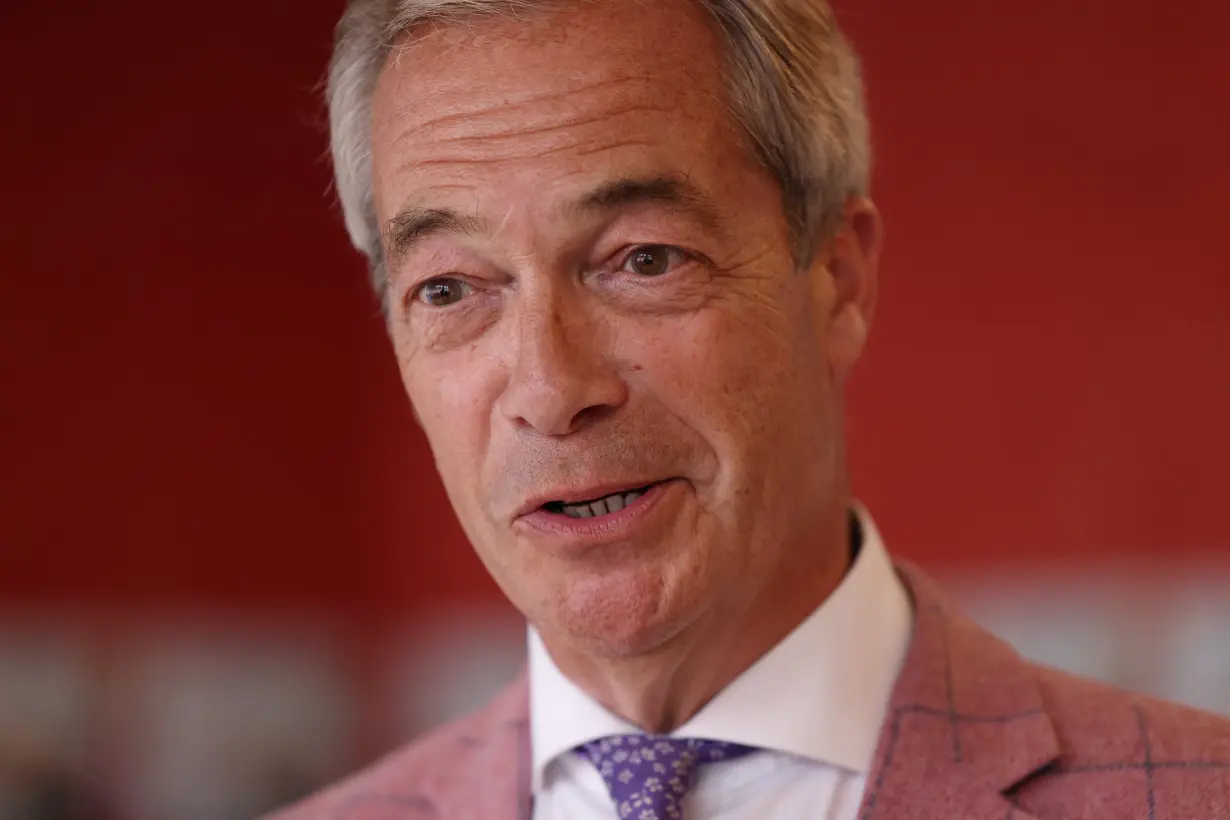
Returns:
<point x="608" y="504"/>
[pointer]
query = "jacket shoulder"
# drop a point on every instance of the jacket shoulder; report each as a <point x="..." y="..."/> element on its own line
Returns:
<point x="1094" y="720"/>
<point x="415" y="780"/>
<point x="1136" y="750"/>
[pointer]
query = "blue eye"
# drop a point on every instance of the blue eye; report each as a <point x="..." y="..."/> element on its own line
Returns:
<point x="651" y="260"/>
<point x="443" y="292"/>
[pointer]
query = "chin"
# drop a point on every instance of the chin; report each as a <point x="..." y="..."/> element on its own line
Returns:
<point x="621" y="614"/>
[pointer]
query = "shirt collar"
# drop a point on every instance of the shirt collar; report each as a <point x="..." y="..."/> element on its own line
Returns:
<point x="821" y="693"/>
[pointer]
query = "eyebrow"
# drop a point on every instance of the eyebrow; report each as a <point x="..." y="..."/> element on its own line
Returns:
<point x="672" y="190"/>
<point x="414" y="224"/>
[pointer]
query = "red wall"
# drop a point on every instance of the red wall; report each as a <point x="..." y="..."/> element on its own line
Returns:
<point x="198" y="407"/>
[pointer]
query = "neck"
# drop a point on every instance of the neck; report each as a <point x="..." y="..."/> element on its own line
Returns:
<point x="660" y="690"/>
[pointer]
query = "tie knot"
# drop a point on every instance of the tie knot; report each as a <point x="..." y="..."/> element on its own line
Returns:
<point x="648" y="775"/>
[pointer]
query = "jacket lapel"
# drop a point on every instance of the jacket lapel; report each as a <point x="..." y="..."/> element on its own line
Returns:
<point x="965" y="723"/>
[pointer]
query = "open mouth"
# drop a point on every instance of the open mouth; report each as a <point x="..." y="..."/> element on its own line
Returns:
<point x="597" y="507"/>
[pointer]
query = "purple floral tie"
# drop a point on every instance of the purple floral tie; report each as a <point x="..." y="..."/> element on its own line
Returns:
<point x="648" y="775"/>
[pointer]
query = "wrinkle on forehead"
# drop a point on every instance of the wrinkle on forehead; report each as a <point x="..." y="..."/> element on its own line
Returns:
<point x="543" y="125"/>
<point x="487" y="126"/>
<point x="533" y="98"/>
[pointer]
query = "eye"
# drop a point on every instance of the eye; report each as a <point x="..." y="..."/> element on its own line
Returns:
<point x="652" y="260"/>
<point x="442" y="292"/>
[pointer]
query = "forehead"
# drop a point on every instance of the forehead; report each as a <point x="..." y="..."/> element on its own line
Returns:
<point x="561" y="98"/>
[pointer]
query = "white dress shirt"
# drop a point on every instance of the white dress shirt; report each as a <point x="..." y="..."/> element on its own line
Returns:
<point x="814" y="704"/>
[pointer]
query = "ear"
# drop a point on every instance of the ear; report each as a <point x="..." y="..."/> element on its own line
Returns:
<point x="854" y="266"/>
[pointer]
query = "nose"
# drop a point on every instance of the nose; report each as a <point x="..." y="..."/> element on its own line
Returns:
<point x="562" y="377"/>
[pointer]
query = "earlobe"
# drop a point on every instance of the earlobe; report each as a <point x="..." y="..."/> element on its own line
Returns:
<point x="847" y="338"/>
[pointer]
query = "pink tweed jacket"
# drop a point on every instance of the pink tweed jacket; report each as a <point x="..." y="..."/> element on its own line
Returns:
<point x="973" y="732"/>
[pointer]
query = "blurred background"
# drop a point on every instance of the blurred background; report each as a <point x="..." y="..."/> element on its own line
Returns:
<point x="227" y="570"/>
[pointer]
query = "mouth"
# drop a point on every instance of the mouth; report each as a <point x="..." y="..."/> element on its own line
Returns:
<point x="571" y="522"/>
<point x="598" y="506"/>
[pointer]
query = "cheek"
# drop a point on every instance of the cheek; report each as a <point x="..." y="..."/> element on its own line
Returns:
<point x="748" y="379"/>
<point x="721" y="373"/>
<point x="731" y="364"/>
<point x="453" y="401"/>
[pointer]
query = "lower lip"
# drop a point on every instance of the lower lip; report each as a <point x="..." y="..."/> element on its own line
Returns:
<point x="576" y="533"/>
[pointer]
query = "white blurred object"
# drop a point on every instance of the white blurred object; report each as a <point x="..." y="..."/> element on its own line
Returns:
<point x="1163" y="634"/>
<point x="227" y="723"/>
<point x="1201" y="645"/>
<point x="44" y="720"/>
<point x="451" y="663"/>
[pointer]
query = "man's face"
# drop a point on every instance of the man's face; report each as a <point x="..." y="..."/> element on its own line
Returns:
<point x="593" y="297"/>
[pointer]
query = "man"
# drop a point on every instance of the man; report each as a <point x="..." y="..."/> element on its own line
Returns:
<point x="628" y="262"/>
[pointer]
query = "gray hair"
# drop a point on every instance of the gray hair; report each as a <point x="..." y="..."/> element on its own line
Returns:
<point x="793" y="81"/>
